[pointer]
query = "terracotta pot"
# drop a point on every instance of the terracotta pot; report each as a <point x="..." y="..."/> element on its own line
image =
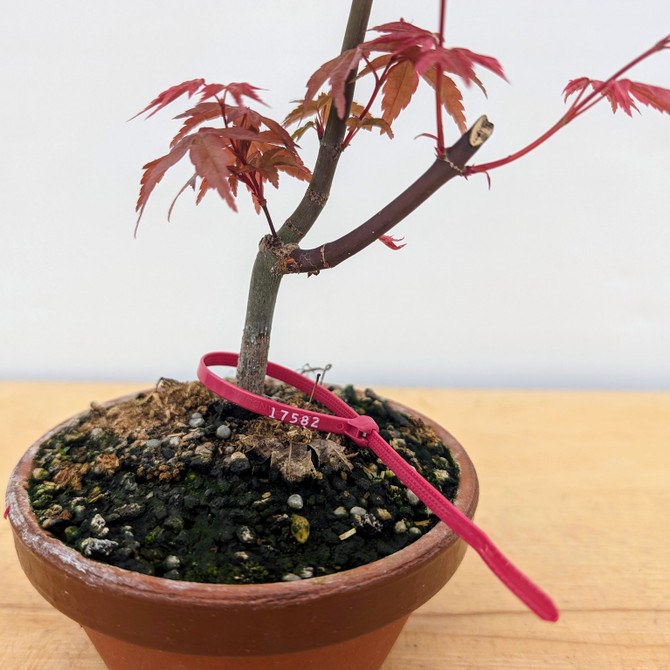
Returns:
<point x="346" y="620"/>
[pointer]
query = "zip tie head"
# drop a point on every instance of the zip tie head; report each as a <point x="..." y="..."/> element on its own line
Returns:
<point x="359" y="429"/>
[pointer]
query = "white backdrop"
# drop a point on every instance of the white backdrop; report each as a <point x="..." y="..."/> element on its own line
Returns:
<point x="559" y="276"/>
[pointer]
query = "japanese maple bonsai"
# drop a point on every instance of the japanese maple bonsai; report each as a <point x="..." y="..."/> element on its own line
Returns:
<point x="231" y="145"/>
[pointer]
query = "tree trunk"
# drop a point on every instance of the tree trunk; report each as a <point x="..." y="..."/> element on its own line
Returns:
<point x="264" y="284"/>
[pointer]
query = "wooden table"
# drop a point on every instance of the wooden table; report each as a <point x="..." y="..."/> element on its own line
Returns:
<point x="575" y="488"/>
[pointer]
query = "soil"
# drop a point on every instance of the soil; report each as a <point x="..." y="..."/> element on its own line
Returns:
<point x="180" y="484"/>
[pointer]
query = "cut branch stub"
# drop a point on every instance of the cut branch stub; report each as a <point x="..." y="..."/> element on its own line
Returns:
<point x="480" y="132"/>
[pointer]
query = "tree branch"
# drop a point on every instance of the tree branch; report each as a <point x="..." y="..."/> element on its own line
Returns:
<point x="443" y="169"/>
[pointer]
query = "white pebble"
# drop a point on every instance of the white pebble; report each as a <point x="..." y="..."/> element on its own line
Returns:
<point x="98" y="525"/>
<point x="412" y="498"/>
<point x="246" y="535"/>
<point x="295" y="501"/>
<point x="171" y="562"/>
<point x="290" y="577"/>
<point x="196" y="420"/>
<point x="204" y="451"/>
<point x="223" y="432"/>
<point x="400" y="528"/>
<point x="92" y="547"/>
<point x="239" y="462"/>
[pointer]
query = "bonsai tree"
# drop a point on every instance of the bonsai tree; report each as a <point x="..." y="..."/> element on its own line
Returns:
<point x="233" y="146"/>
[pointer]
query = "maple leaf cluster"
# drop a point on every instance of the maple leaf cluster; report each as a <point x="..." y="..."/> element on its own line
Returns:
<point x="319" y="108"/>
<point x="245" y="147"/>
<point x="238" y="144"/>
<point x="408" y="54"/>
<point x="619" y="92"/>
<point x="622" y="93"/>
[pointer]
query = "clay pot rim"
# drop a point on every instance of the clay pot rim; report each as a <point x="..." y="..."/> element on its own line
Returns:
<point x="25" y="525"/>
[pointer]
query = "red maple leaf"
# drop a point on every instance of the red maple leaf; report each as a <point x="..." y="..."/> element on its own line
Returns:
<point x="450" y="97"/>
<point x="622" y="93"/>
<point x="459" y="62"/>
<point x="191" y="183"/>
<point x="337" y="72"/>
<point x="359" y="119"/>
<point x="154" y="171"/>
<point x="399" y="87"/>
<point x="166" y="97"/>
<point x="269" y="163"/>
<point x="318" y="108"/>
<point x="653" y="96"/>
<point x="575" y="86"/>
<point x="392" y="242"/>
<point x="211" y="156"/>
<point x="202" y="112"/>
<point x="240" y="90"/>
<point x="277" y="133"/>
<point x="399" y="36"/>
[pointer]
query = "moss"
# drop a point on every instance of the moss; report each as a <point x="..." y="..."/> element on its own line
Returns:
<point x="71" y="534"/>
<point x="153" y="535"/>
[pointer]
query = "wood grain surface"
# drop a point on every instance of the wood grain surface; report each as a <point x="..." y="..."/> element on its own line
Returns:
<point x="575" y="488"/>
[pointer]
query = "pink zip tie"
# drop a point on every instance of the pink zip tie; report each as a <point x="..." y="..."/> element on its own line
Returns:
<point x="364" y="431"/>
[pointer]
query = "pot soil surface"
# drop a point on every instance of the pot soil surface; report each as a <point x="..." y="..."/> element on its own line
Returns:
<point x="180" y="484"/>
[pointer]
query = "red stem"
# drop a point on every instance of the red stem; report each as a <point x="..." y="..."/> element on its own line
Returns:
<point x="379" y="82"/>
<point x="266" y="211"/>
<point x="438" y="84"/>
<point x="222" y="105"/>
<point x="576" y="109"/>
<point x="249" y="179"/>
